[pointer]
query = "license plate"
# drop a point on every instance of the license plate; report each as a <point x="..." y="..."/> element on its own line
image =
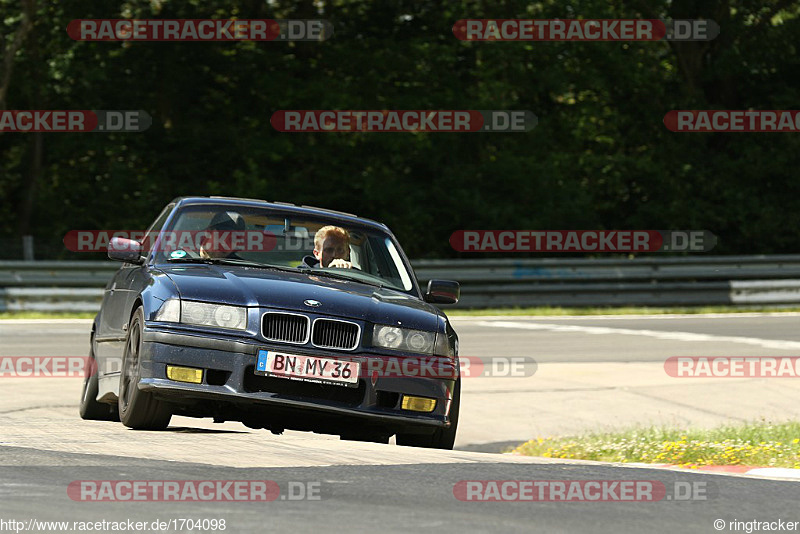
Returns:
<point x="307" y="368"/>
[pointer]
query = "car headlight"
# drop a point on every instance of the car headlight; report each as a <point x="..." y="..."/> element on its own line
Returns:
<point x="219" y="315"/>
<point x="203" y="314"/>
<point x="442" y="347"/>
<point x="393" y="337"/>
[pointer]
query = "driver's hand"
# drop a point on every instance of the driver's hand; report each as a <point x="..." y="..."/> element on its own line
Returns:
<point x="341" y="264"/>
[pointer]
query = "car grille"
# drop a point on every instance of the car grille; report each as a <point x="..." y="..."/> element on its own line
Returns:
<point x="294" y="328"/>
<point x="285" y="327"/>
<point x="333" y="334"/>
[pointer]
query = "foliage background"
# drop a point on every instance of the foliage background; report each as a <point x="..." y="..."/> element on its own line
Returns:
<point x="600" y="156"/>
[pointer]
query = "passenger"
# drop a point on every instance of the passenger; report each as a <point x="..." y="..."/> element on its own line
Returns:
<point x="225" y="221"/>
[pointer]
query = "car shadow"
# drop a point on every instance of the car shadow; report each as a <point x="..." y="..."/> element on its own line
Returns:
<point x="190" y="430"/>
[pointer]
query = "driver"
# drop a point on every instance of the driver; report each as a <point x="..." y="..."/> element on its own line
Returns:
<point x="332" y="247"/>
<point x="224" y="221"/>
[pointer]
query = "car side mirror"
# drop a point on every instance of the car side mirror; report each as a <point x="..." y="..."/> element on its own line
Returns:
<point x="442" y="292"/>
<point x="127" y="250"/>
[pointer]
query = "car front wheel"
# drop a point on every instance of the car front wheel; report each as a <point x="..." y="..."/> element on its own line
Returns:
<point x="138" y="409"/>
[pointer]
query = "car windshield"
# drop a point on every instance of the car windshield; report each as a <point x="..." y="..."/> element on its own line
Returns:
<point x="252" y="236"/>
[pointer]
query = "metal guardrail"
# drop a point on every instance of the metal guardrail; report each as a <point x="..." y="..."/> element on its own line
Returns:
<point x="664" y="281"/>
<point x="48" y="299"/>
<point x="660" y="281"/>
<point x="56" y="273"/>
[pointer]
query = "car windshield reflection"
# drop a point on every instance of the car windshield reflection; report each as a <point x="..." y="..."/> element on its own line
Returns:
<point x="260" y="237"/>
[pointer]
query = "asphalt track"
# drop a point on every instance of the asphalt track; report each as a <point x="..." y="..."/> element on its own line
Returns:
<point x="593" y="374"/>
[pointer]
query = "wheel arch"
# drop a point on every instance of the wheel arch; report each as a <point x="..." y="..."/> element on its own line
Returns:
<point x="137" y="303"/>
<point x="153" y="296"/>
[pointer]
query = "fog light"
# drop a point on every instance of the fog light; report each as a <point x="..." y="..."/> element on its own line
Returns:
<point x="418" y="404"/>
<point x="185" y="374"/>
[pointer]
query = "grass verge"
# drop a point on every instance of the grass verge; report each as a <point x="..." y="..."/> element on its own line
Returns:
<point x="756" y="444"/>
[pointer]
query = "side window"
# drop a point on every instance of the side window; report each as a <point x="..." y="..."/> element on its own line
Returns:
<point x="388" y="264"/>
<point x="396" y="265"/>
<point x="155" y="228"/>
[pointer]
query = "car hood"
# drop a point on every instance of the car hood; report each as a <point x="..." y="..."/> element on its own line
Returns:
<point x="248" y="286"/>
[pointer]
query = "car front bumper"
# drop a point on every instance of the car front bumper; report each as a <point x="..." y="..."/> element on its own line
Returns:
<point x="230" y="389"/>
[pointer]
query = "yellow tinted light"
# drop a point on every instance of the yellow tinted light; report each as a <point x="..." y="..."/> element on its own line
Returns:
<point x="185" y="374"/>
<point x="418" y="404"/>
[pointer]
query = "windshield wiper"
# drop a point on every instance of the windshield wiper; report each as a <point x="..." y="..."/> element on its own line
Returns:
<point x="339" y="276"/>
<point x="247" y="263"/>
<point x="231" y="261"/>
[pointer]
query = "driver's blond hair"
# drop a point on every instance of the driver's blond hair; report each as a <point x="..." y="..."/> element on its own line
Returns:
<point x="330" y="231"/>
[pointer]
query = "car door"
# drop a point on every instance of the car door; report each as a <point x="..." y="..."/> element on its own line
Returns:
<point x="109" y="333"/>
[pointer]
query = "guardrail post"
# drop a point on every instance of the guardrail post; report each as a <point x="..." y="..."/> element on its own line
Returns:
<point x="27" y="247"/>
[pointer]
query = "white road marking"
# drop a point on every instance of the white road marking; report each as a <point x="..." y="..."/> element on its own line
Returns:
<point x="626" y="317"/>
<point x="776" y="472"/>
<point x="673" y="336"/>
<point x="14" y="322"/>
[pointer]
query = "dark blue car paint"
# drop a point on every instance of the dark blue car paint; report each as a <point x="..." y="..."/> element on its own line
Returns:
<point x="233" y="352"/>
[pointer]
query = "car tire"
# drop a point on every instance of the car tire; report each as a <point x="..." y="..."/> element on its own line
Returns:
<point x="138" y="409"/>
<point x="443" y="438"/>
<point x="90" y="409"/>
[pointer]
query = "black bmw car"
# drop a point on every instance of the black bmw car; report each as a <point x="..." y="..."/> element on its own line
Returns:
<point x="278" y="316"/>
